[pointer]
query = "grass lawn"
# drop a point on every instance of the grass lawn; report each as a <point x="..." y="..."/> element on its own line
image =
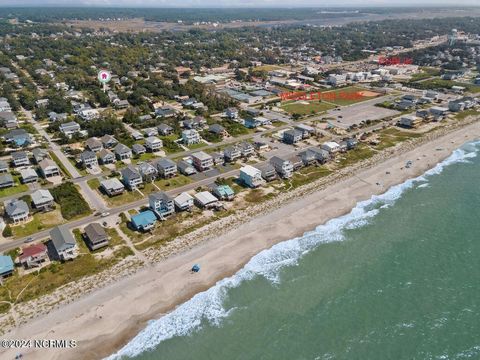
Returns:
<point x="144" y="157"/>
<point x="306" y="107"/>
<point x="58" y="274"/>
<point x="392" y="136"/>
<point x="17" y="188"/>
<point x="40" y="221"/>
<point x="362" y="152"/>
<point x="308" y="174"/>
<point x="201" y="144"/>
<point x="470" y="112"/>
<point x="177" y="181"/>
<point x="60" y="164"/>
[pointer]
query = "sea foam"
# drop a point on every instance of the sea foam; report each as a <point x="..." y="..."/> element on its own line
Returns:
<point x="208" y="305"/>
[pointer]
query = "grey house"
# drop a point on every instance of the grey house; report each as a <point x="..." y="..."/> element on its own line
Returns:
<point x="3" y="167"/>
<point x="106" y="157"/>
<point x="147" y="171"/>
<point x="95" y="236"/>
<point x="39" y="154"/>
<point x="48" y="168"/>
<point x="138" y="149"/>
<point x="108" y="141"/>
<point x="6" y="180"/>
<point x="28" y="175"/>
<point x="166" y="167"/>
<point x="292" y="136"/>
<point x="122" y="152"/>
<point x="20" y="158"/>
<point x="186" y="168"/>
<point x="153" y="143"/>
<point x="164" y="129"/>
<point x="89" y="159"/>
<point x="112" y="186"/>
<point x="64" y="244"/>
<point x="42" y="199"/>
<point x="131" y="177"/>
<point x="16" y="210"/>
<point x="94" y="144"/>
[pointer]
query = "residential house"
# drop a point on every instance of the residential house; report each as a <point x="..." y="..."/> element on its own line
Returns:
<point x="232" y="153"/>
<point x="3" y="167"/>
<point x="190" y="136"/>
<point x="184" y="202"/>
<point x="89" y="159"/>
<point x="144" y="118"/>
<point x="48" y="168"/>
<point x="164" y="112"/>
<point x="153" y="143"/>
<point x="112" y="186"/>
<point x="6" y="180"/>
<point x="28" y="175"/>
<point x="53" y="116"/>
<point x="150" y="132"/>
<point x="148" y="172"/>
<point x="64" y="244"/>
<point x="251" y="176"/>
<point x="306" y="130"/>
<point x="42" y="199"/>
<point x="20" y="158"/>
<point x="296" y="162"/>
<point x="246" y="149"/>
<point x="232" y="113"/>
<point x="8" y="120"/>
<point x="218" y="158"/>
<point x="121" y="104"/>
<point x="161" y="204"/>
<point x="331" y="146"/>
<point x="292" y="136"/>
<point x="39" y="154"/>
<point x="108" y="141"/>
<point x="68" y="129"/>
<point x="122" y="152"/>
<point x="6" y="266"/>
<point x="218" y="129"/>
<point x="138" y="149"/>
<point x="166" y="167"/>
<point x="282" y="166"/>
<point x="106" y="157"/>
<point x="164" y="129"/>
<point x="95" y="236"/>
<point x="33" y="256"/>
<point x="205" y="199"/>
<point x="185" y="168"/>
<point x="16" y="210"/>
<point x="88" y="114"/>
<point x="223" y="192"/>
<point x="131" y="177"/>
<point x="136" y="135"/>
<point x="202" y="161"/>
<point x="94" y="144"/>
<point x="18" y="137"/>
<point x="144" y="221"/>
<point x="409" y="121"/>
<point x="268" y="171"/>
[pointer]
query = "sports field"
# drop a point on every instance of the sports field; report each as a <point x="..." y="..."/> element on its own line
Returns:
<point x="304" y="107"/>
<point x="348" y="96"/>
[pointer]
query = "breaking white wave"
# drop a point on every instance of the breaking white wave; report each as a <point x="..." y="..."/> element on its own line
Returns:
<point x="208" y="305"/>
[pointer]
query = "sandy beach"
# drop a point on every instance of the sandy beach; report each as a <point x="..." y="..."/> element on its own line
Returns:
<point x="106" y="319"/>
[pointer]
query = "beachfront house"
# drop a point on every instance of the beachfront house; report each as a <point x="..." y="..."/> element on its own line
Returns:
<point x="184" y="202"/>
<point x="33" y="256"/>
<point x="268" y="171"/>
<point x="282" y="166"/>
<point x="6" y="266"/>
<point x="161" y="204"/>
<point x="223" y="192"/>
<point x="64" y="244"/>
<point x="250" y="176"/>
<point x="331" y="146"/>
<point x="144" y="221"/>
<point x="95" y="236"/>
<point x="205" y="199"/>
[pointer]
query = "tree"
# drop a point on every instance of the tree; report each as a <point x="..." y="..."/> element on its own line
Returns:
<point x="7" y="232"/>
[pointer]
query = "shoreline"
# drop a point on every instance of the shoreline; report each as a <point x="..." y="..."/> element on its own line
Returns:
<point x="114" y="315"/>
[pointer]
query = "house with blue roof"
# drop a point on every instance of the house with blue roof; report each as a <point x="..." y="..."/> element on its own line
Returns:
<point x="144" y="221"/>
<point x="6" y="266"/>
<point x="223" y="192"/>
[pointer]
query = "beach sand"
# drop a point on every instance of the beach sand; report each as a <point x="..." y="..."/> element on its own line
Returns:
<point x="108" y="318"/>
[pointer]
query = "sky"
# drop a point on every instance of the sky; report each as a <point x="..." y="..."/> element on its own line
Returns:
<point x="234" y="3"/>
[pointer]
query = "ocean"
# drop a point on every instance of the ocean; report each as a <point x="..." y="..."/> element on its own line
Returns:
<point x="397" y="278"/>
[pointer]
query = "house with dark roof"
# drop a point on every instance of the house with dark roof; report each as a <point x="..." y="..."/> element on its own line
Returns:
<point x="131" y="177"/>
<point x="147" y="171"/>
<point x="108" y="141"/>
<point x="106" y="157"/>
<point x="94" y="144"/>
<point x="95" y="236"/>
<point x="89" y="159"/>
<point x="166" y="167"/>
<point x="122" y="152"/>
<point x="39" y="154"/>
<point x="164" y="129"/>
<point x="6" y="180"/>
<point x="20" y="158"/>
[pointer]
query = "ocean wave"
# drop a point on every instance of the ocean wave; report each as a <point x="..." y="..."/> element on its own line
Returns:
<point x="208" y="305"/>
